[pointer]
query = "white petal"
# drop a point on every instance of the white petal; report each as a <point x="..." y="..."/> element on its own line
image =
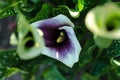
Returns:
<point x="58" y="20"/>
<point x="96" y="20"/>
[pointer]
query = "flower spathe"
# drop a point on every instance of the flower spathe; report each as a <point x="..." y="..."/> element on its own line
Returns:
<point x="60" y="40"/>
<point x="30" y="40"/>
<point x="104" y="21"/>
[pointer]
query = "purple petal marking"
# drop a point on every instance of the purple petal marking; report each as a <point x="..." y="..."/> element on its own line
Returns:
<point x="69" y="51"/>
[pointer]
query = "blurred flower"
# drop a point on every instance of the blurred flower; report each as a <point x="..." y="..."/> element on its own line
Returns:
<point x="104" y="21"/>
<point x="60" y="40"/>
<point x="30" y="41"/>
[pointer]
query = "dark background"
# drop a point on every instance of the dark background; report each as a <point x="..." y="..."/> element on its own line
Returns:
<point x="7" y="26"/>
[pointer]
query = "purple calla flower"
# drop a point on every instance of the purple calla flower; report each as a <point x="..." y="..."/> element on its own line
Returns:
<point x="60" y="40"/>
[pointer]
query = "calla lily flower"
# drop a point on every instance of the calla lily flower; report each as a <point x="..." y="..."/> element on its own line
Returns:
<point x="104" y="21"/>
<point x="30" y="40"/>
<point x="60" y="40"/>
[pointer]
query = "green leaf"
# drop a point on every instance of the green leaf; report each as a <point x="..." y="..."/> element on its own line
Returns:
<point x="27" y="6"/>
<point x="52" y="73"/>
<point x="11" y="1"/>
<point x="114" y="75"/>
<point x="118" y="3"/>
<point x="2" y="4"/>
<point x="86" y="54"/>
<point x="9" y="11"/>
<point x="56" y="2"/>
<point x="100" y="67"/>
<point x="113" y="50"/>
<point x="35" y="1"/>
<point x="11" y="71"/>
<point x="60" y="10"/>
<point x="8" y="58"/>
<point x="74" y="1"/>
<point x="5" y="55"/>
<point x="44" y="13"/>
<point x="87" y="76"/>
